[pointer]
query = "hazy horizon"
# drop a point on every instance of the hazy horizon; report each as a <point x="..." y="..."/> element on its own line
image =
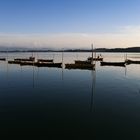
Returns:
<point x="70" y="24"/>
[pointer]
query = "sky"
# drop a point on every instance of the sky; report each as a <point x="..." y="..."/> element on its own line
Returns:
<point x="69" y="23"/>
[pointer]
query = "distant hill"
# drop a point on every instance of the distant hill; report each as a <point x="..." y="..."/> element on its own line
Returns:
<point x="130" y="49"/>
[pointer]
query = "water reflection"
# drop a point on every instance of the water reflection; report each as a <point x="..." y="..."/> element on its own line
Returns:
<point x="93" y="90"/>
<point x="101" y="103"/>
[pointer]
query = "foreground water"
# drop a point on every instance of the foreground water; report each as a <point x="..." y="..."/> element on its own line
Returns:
<point x="55" y="102"/>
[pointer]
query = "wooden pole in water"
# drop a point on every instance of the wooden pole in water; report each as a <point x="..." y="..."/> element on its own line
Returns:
<point x="7" y="63"/>
<point x="53" y="56"/>
<point x="92" y="53"/>
<point x="125" y="57"/>
<point x="62" y="56"/>
<point x="95" y="53"/>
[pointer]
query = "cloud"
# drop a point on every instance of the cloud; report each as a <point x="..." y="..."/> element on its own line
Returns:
<point x="125" y="37"/>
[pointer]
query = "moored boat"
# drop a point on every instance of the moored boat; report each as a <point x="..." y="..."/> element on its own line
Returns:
<point x="45" y="60"/>
<point x="25" y="59"/>
<point x="58" y="65"/>
<point x="103" y="63"/>
<point x="80" y="66"/>
<point x="82" y="62"/>
<point x="2" y="59"/>
<point x="128" y="61"/>
<point x="43" y="64"/>
<point x="14" y="62"/>
<point x="27" y="63"/>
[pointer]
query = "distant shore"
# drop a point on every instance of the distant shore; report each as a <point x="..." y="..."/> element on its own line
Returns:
<point x="130" y="49"/>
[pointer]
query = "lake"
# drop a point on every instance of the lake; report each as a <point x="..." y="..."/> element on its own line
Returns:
<point x="56" y="102"/>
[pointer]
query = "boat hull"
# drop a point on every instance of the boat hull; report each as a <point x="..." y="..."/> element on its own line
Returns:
<point x="14" y="62"/>
<point x="45" y="60"/>
<point x="132" y="62"/>
<point x="80" y="66"/>
<point x="113" y="64"/>
<point x="28" y="63"/>
<point x="82" y="62"/>
<point x="25" y="59"/>
<point x="2" y="59"/>
<point x="58" y="65"/>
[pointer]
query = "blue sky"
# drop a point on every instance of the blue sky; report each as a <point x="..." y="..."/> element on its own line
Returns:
<point x="67" y="22"/>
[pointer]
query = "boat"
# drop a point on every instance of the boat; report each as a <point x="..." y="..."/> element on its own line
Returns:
<point x="45" y="64"/>
<point x="98" y="58"/>
<point x="44" y="60"/>
<point x="80" y="66"/>
<point x="32" y="58"/>
<point x="27" y="63"/>
<point x="38" y="64"/>
<point x="2" y="59"/>
<point x="33" y="63"/>
<point x="128" y="61"/>
<point x="95" y="59"/>
<point x="82" y="62"/>
<point x="103" y="63"/>
<point x="14" y="62"/>
<point x="25" y="59"/>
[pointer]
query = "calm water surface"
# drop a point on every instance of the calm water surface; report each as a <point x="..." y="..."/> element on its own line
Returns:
<point x="55" y="102"/>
